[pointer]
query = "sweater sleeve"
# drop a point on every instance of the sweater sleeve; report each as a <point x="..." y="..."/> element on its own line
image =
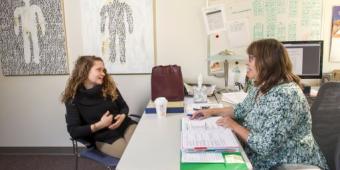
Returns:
<point x="75" y="125"/>
<point x="124" y="108"/>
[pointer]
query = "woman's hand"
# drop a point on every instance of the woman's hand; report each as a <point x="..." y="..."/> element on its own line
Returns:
<point x="105" y="120"/>
<point x="119" y="120"/>
<point x="201" y="114"/>
<point x="227" y="122"/>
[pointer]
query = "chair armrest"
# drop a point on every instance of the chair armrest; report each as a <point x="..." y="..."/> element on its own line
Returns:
<point x="135" y="117"/>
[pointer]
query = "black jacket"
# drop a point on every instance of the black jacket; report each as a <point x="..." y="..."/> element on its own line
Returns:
<point x="87" y="107"/>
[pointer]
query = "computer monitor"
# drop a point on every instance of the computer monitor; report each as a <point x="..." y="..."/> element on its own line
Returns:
<point x="306" y="57"/>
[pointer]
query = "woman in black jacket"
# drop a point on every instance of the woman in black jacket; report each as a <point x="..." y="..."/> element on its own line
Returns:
<point x="95" y="109"/>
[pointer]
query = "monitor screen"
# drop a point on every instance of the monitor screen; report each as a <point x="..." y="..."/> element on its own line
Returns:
<point x="306" y="57"/>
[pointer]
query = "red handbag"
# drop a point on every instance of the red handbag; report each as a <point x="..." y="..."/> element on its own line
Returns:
<point x="167" y="81"/>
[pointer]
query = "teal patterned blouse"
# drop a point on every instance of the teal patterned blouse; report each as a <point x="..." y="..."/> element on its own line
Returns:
<point x="280" y="128"/>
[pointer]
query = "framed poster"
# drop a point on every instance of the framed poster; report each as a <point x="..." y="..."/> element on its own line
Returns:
<point x="121" y="33"/>
<point x="32" y="37"/>
<point x="335" y="35"/>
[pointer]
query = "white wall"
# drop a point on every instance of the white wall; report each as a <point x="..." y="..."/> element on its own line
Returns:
<point x="30" y="111"/>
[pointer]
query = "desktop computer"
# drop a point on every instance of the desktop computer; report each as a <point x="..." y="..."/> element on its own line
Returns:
<point x="306" y="57"/>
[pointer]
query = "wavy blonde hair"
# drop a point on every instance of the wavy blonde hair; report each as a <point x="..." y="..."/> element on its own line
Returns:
<point x="80" y="74"/>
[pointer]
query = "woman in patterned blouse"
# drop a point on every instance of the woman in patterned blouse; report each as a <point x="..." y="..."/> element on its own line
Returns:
<point x="274" y="119"/>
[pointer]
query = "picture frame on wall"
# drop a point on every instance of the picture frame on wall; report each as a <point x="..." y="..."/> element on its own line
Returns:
<point x="121" y="32"/>
<point x="32" y="38"/>
<point x="335" y="35"/>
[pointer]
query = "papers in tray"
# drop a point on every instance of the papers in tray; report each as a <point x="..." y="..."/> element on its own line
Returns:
<point x="206" y="135"/>
<point x="234" y="97"/>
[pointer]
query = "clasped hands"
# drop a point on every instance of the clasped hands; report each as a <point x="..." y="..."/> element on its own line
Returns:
<point x="106" y="120"/>
<point x="225" y="121"/>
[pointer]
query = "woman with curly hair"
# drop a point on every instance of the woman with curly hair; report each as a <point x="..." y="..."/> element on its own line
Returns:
<point x="95" y="109"/>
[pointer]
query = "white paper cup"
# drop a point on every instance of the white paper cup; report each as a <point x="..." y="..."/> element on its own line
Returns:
<point x="161" y="105"/>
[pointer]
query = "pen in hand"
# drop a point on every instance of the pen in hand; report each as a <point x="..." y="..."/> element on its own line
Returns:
<point x="196" y="115"/>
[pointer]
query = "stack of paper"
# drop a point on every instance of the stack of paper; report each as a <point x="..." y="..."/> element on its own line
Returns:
<point x="204" y="141"/>
<point x="234" y="97"/>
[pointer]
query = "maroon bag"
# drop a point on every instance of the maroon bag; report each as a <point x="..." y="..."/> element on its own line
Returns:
<point x="167" y="81"/>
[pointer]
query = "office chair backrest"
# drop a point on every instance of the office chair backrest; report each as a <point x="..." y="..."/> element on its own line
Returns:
<point x="326" y="121"/>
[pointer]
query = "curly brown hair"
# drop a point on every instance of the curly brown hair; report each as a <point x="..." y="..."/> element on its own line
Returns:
<point x="272" y="64"/>
<point x="80" y="74"/>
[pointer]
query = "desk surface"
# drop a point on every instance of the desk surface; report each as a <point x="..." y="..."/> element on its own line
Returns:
<point x="156" y="144"/>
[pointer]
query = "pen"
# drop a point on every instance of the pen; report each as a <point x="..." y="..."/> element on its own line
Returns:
<point x="206" y="149"/>
<point x="199" y="115"/>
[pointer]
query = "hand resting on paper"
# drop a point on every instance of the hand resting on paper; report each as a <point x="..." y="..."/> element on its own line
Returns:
<point x="204" y="113"/>
<point x="226" y="122"/>
<point x="201" y="114"/>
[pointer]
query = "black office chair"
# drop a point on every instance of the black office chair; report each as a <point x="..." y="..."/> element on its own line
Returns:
<point x="326" y="122"/>
<point x="325" y="112"/>
<point x="337" y="156"/>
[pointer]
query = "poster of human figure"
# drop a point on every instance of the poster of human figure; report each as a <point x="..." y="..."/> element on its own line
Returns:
<point x="32" y="37"/>
<point x="335" y="35"/>
<point x="121" y="32"/>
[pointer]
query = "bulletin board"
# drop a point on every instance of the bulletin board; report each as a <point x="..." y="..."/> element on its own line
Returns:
<point x="249" y="20"/>
<point x="285" y="20"/>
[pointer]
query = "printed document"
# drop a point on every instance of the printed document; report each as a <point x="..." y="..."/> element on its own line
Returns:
<point x="206" y="135"/>
<point x="202" y="157"/>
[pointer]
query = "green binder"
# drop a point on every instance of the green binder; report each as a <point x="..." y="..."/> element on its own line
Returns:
<point x="215" y="166"/>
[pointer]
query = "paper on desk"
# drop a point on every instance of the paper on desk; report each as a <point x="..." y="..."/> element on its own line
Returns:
<point x="234" y="97"/>
<point x="233" y="158"/>
<point x="219" y="140"/>
<point x="206" y="134"/>
<point x="202" y="157"/>
<point x="196" y="124"/>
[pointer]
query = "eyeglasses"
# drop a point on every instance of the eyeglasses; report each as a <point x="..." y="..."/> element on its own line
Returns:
<point x="251" y="58"/>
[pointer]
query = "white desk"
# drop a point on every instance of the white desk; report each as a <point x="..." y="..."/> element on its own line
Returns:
<point x="155" y="144"/>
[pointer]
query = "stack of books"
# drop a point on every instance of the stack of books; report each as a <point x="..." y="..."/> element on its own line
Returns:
<point x="172" y="107"/>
